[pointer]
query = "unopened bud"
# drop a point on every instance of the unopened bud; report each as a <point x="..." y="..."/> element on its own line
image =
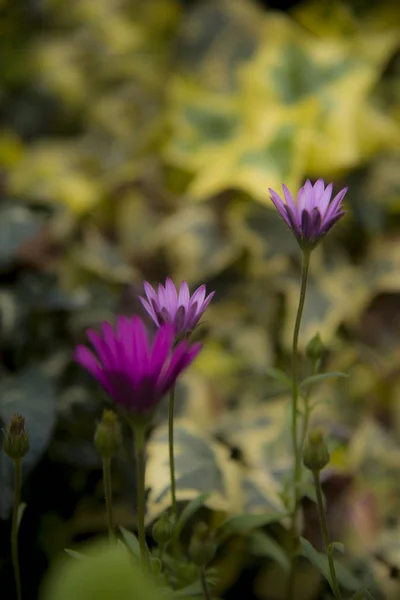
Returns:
<point x="16" y="439"/>
<point x="202" y="546"/>
<point x="107" y="437"/>
<point x="315" y="348"/>
<point x="315" y="451"/>
<point x="162" y="530"/>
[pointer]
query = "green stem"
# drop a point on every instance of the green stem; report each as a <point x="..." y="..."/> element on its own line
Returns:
<point x="204" y="585"/>
<point x="307" y="410"/>
<point x="325" y="535"/>
<point x="171" y="450"/>
<point x="139" y="432"/>
<point x="14" y="526"/>
<point x="108" y="496"/>
<point x="294" y="428"/>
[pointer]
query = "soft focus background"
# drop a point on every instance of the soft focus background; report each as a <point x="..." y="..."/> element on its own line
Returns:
<point x="138" y="140"/>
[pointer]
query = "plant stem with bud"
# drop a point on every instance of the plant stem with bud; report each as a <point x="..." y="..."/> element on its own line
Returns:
<point x="139" y="432"/>
<point x="108" y="496"/>
<point x="14" y="526"/>
<point x="204" y="585"/>
<point x="171" y="450"/>
<point x="325" y="535"/>
<point x="294" y="427"/>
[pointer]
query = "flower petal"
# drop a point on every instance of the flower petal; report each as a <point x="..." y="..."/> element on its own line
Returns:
<point x="162" y="346"/>
<point x="184" y="295"/>
<point x="181" y="359"/>
<point x="171" y="296"/>
<point x="280" y="207"/>
<point x="324" y="199"/>
<point x="150" y="310"/>
<point x="334" y="205"/>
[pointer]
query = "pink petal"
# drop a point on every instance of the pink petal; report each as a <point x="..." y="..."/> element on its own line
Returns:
<point x="184" y="295"/>
<point x="150" y="310"/>
<point x="334" y="205"/>
<point x="319" y="187"/>
<point x="206" y="302"/>
<point x="305" y="199"/>
<point x="181" y="359"/>
<point x="140" y="349"/>
<point x="198" y="296"/>
<point x="150" y="292"/>
<point x="171" y="296"/>
<point x="325" y="198"/>
<point x="288" y="198"/>
<point x="103" y="352"/>
<point x="280" y="207"/>
<point x="161" y="348"/>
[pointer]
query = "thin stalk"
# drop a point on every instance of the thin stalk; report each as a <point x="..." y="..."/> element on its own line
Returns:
<point x="307" y="410"/>
<point x="108" y="496"/>
<point x="139" y="432"/>
<point x="325" y="535"/>
<point x="14" y="526"/>
<point x="171" y="450"/>
<point x="294" y="428"/>
<point x="206" y="591"/>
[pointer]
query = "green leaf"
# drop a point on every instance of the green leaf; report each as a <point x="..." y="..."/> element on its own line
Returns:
<point x="308" y="381"/>
<point x="320" y="562"/>
<point x="261" y="544"/>
<point x="241" y="524"/>
<point x="21" y="510"/>
<point x="363" y="594"/>
<point x="280" y="376"/>
<point x="106" y="573"/>
<point x="190" y="509"/>
<point x="131" y="541"/>
<point x="74" y="554"/>
<point x="194" y="589"/>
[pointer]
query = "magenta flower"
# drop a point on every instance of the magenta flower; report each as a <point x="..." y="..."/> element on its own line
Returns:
<point x="135" y="373"/>
<point x="313" y="214"/>
<point x="178" y="308"/>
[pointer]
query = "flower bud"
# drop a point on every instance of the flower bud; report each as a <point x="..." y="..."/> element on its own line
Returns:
<point x="162" y="530"/>
<point x="315" y="348"/>
<point x="107" y="437"/>
<point x="16" y="439"/>
<point x="202" y="546"/>
<point x="315" y="452"/>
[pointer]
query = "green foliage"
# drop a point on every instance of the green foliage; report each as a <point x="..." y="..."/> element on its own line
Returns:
<point x="106" y="573"/>
<point x="138" y="140"/>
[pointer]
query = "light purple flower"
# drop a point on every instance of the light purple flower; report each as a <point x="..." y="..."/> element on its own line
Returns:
<point x="135" y="373"/>
<point x="178" y="308"/>
<point x="313" y="214"/>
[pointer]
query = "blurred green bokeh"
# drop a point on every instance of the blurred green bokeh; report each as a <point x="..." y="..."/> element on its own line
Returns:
<point x="139" y="140"/>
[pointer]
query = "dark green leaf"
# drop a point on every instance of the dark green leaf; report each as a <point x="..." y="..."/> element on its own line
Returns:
<point x="190" y="509"/>
<point x="76" y="555"/>
<point x="261" y="544"/>
<point x="320" y="562"/>
<point x="241" y="524"/>
<point x="308" y="381"/>
<point x="280" y="376"/>
<point x="131" y="541"/>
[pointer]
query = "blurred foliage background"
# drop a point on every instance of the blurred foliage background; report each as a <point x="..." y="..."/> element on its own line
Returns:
<point x="138" y="140"/>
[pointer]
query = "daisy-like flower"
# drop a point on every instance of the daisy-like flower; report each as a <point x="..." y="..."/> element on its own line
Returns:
<point x="135" y="373"/>
<point x="178" y="308"/>
<point x="313" y="214"/>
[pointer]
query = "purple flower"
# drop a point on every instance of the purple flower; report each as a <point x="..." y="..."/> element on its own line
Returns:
<point x="313" y="214"/>
<point x="135" y="373"/>
<point x="178" y="308"/>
